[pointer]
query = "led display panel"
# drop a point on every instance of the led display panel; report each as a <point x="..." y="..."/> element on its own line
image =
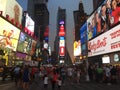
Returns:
<point x="29" y="24"/>
<point x="11" y="8"/>
<point x="83" y="33"/>
<point x="77" y="48"/>
<point x="24" y="43"/>
<point x="106" y="16"/>
<point x="9" y="35"/>
<point x="33" y="46"/>
<point x="105" y="43"/>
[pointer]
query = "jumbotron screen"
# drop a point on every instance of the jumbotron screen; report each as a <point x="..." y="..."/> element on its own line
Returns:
<point x="9" y="35"/>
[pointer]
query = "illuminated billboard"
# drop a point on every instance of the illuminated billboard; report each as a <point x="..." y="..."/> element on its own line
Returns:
<point x="33" y="46"/>
<point x="103" y="19"/>
<point x="11" y="8"/>
<point x="62" y="46"/>
<point x="29" y="24"/>
<point x="24" y="43"/>
<point x="62" y="51"/>
<point x="9" y="34"/>
<point x="83" y="33"/>
<point x="77" y="48"/>
<point x="105" y="43"/>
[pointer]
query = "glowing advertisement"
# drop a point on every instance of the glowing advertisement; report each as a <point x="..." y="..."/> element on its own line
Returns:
<point x="29" y="25"/>
<point x="105" y="43"/>
<point x="24" y="43"/>
<point x="83" y="34"/>
<point x="9" y="35"/>
<point x="33" y="46"/>
<point x="11" y="8"/>
<point x="62" y="46"/>
<point x="62" y="43"/>
<point x="77" y="48"/>
<point x="103" y="19"/>
<point x="62" y="51"/>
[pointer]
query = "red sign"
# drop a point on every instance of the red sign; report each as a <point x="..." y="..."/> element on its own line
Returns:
<point x="62" y="51"/>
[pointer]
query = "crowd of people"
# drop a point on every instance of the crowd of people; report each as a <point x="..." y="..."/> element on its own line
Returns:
<point x="57" y="76"/>
<point x="109" y="74"/>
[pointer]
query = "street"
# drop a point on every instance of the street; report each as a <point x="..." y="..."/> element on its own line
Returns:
<point x="38" y="85"/>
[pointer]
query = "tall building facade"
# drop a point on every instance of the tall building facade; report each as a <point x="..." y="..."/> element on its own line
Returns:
<point x="61" y="20"/>
<point x="39" y="12"/>
<point x="79" y="18"/>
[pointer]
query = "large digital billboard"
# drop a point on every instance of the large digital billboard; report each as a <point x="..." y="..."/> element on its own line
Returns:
<point x="33" y="47"/>
<point x="9" y="34"/>
<point x="29" y="24"/>
<point x="24" y="43"/>
<point x="62" y="46"/>
<point x="83" y="33"/>
<point x="103" y="19"/>
<point x="11" y="8"/>
<point x="105" y="43"/>
<point x="77" y="48"/>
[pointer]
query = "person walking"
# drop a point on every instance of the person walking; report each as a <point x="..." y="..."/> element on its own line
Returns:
<point x="26" y="78"/>
<point x="54" y="79"/>
<point x="45" y="78"/>
<point x="59" y="82"/>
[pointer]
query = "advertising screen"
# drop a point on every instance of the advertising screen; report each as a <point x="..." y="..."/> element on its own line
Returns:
<point x="105" y="43"/>
<point x="77" y="48"/>
<point x="83" y="33"/>
<point x="29" y="25"/>
<point x="62" y="46"/>
<point x="24" y="43"/>
<point x="33" y="46"/>
<point x="106" y="16"/>
<point x="9" y="34"/>
<point x="11" y="8"/>
<point x="83" y="47"/>
<point x="106" y="59"/>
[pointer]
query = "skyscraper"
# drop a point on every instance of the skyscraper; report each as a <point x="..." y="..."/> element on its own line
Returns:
<point x="79" y="18"/>
<point x="61" y="18"/>
<point x="39" y="12"/>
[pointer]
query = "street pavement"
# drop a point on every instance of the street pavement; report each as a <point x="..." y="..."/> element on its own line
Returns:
<point x="83" y="85"/>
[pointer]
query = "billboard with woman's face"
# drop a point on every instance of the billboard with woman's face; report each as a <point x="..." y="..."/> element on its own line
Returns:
<point x="9" y="35"/>
<point x="104" y="18"/>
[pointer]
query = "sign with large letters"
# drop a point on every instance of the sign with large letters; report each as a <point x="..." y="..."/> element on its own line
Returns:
<point x="105" y="43"/>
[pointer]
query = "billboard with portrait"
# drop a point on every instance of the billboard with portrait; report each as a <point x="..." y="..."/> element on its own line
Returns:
<point x="11" y="8"/>
<point x="9" y="34"/>
<point x="29" y="24"/>
<point x="24" y="43"/>
<point x="103" y="19"/>
<point x="77" y="48"/>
